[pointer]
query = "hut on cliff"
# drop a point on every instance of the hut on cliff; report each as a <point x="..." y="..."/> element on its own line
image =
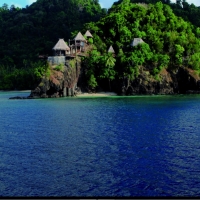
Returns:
<point x="111" y="50"/>
<point x="79" y="42"/>
<point x="136" y="41"/>
<point x="88" y="34"/>
<point x="61" y="48"/>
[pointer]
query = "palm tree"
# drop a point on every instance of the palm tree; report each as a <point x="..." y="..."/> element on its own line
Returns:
<point x="108" y="68"/>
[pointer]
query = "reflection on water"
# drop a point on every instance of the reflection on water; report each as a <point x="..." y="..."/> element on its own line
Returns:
<point x="87" y="147"/>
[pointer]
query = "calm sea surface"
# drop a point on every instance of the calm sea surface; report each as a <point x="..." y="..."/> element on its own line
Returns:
<point x="106" y="146"/>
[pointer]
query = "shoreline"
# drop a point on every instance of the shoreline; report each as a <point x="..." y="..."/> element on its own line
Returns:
<point x="98" y="94"/>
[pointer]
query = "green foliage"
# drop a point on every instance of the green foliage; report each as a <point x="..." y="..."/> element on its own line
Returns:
<point x="72" y="63"/>
<point x="48" y="72"/>
<point x="107" y="71"/>
<point x="195" y="61"/>
<point x="26" y="77"/>
<point x="29" y="32"/>
<point x="179" y="54"/>
<point x="92" y="81"/>
<point x="159" y="61"/>
<point x="90" y="41"/>
<point x="169" y="41"/>
<point x="40" y="69"/>
<point x="189" y="12"/>
<point x="134" y="58"/>
<point x="59" y="67"/>
<point x="91" y="65"/>
<point x="107" y="67"/>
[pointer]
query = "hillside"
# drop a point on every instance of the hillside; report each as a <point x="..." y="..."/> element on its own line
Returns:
<point x="155" y="51"/>
<point x="169" y="43"/>
<point x="189" y="12"/>
<point x="26" y="34"/>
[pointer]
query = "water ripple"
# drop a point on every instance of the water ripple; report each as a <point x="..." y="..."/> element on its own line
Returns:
<point x="88" y="147"/>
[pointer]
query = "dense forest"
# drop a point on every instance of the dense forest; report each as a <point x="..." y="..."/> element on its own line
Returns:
<point x="27" y="33"/>
<point x="181" y="8"/>
<point x="169" y="42"/>
<point x="170" y="32"/>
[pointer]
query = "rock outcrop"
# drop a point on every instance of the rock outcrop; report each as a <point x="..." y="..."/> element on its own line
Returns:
<point x="62" y="81"/>
<point x="182" y="81"/>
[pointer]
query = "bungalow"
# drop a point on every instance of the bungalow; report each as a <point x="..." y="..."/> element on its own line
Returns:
<point x="61" y="48"/>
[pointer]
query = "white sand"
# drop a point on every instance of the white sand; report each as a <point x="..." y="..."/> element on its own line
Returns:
<point x="99" y="94"/>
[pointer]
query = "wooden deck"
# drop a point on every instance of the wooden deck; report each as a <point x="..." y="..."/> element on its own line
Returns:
<point x="75" y="54"/>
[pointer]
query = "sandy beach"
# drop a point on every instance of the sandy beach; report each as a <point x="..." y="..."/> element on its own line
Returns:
<point x="98" y="94"/>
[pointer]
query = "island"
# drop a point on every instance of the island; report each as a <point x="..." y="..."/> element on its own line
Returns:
<point x="134" y="48"/>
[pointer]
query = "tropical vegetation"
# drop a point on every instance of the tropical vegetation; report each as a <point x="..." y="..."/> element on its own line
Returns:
<point x="169" y="42"/>
<point x="27" y="34"/>
<point x="170" y="32"/>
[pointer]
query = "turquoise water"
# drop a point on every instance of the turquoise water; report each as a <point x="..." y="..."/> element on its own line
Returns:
<point x="108" y="146"/>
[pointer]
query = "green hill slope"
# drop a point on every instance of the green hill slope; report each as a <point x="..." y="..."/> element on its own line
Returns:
<point x="169" y="42"/>
<point x="32" y="31"/>
<point x="181" y="8"/>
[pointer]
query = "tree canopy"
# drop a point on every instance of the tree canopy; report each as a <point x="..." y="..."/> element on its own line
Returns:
<point x="181" y="8"/>
<point x="170" y="32"/>
<point x="169" y="40"/>
<point x="32" y="31"/>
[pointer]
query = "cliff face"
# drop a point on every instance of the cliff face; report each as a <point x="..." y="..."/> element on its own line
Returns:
<point x="62" y="81"/>
<point x="182" y="81"/>
<point x="70" y="81"/>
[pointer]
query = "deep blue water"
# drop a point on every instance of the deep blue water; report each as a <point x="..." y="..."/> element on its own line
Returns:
<point x="111" y="146"/>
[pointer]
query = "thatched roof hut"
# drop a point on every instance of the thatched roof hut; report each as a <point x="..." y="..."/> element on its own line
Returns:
<point x="136" y="41"/>
<point x="61" y="45"/>
<point x="80" y="37"/>
<point x="88" y="34"/>
<point x="111" y="50"/>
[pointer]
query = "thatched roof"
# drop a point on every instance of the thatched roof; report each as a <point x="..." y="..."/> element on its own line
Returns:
<point x="111" y="50"/>
<point x="136" y="41"/>
<point x="80" y="37"/>
<point x="88" y="34"/>
<point x="61" y="45"/>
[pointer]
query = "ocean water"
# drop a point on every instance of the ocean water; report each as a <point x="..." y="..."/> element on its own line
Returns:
<point x="147" y="146"/>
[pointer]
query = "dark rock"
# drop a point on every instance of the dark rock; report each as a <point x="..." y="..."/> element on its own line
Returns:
<point x="187" y="80"/>
<point x="182" y="81"/>
<point x="146" y="84"/>
<point x="16" y="97"/>
<point x="59" y="83"/>
<point x="71" y="81"/>
<point x="192" y="92"/>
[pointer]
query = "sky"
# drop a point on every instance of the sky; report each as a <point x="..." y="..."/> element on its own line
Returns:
<point x="104" y="3"/>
